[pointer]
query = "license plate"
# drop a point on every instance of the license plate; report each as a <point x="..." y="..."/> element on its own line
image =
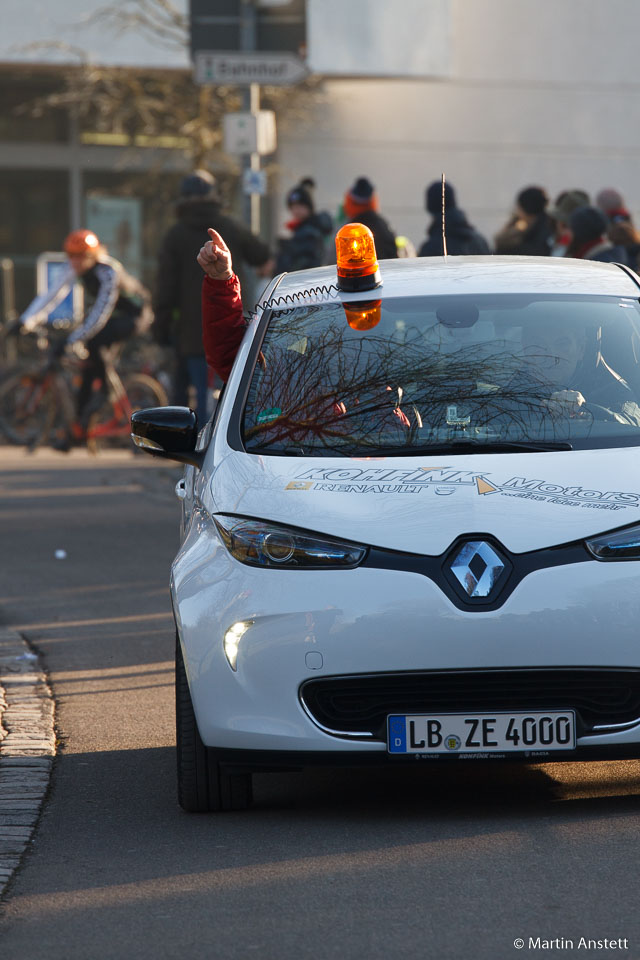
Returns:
<point x="452" y="733"/>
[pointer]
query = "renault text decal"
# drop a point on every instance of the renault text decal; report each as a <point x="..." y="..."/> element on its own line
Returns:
<point x="445" y="481"/>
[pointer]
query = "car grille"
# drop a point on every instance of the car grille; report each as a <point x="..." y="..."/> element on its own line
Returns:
<point x="359" y="705"/>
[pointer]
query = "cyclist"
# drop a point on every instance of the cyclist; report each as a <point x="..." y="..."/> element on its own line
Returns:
<point x="118" y="306"/>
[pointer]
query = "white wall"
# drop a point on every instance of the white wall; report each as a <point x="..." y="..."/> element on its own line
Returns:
<point x="540" y="92"/>
<point x="27" y="22"/>
<point x="367" y="38"/>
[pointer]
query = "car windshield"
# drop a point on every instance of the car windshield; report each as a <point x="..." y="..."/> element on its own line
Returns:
<point x="412" y="375"/>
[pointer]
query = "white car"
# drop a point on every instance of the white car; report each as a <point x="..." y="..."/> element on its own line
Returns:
<point x="412" y="532"/>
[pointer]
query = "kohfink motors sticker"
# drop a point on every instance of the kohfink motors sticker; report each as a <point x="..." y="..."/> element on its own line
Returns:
<point x="446" y="481"/>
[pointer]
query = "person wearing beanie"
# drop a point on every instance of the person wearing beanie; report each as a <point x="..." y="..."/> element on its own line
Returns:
<point x="620" y="227"/>
<point x="462" y="238"/>
<point x="176" y="299"/>
<point x="611" y="203"/>
<point x="530" y="231"/>
<point x="588" y="226"/>
<point x="360" y="205"/>
<point x="305" y="247"/>
<point x="566" y="202"/>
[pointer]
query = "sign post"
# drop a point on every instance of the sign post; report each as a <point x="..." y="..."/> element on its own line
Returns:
<point x="248" y="37"/>
<point x="248" y="43"/>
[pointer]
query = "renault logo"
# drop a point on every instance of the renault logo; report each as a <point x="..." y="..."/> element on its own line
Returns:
<point x="477" y="568"/>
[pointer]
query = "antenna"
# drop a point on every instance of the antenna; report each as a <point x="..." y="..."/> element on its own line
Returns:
<point x="444" y="238"/>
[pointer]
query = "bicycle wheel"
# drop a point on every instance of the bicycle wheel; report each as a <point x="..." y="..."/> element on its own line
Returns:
<point x="27" y="409"/>
<point x="109" y="428"/>
<point x="144" y="391"/>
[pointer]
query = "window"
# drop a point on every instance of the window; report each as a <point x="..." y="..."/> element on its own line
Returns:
<point x="434" y="373"/>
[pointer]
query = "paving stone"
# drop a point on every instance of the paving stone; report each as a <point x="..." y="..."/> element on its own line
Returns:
<point x="12" y="845"/>
<point x="15" y="795"/>
<point x="24" y="819"/>
<point x="27" y="748"/>
<point x="27" y="762"/>
<point x="20" y="782"/>
<point x="20" y="804"/>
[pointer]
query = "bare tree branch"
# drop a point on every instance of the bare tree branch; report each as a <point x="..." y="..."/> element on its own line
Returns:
<point x="159" y="19"/>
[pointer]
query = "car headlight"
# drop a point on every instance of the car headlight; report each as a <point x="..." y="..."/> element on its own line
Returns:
<point x="617" y="545"/>
<point x="263" y="544"/>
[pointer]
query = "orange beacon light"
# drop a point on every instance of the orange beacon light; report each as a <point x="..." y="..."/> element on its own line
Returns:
<point x="356" y="259"/>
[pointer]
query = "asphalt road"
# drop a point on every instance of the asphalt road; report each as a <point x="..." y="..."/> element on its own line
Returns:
<point x="328" y="864"/>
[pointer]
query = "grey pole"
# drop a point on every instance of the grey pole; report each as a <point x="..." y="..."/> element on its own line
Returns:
<point x="9" y="312"/>
<point x="251" y="98"/>
<point x="75" y="174"/>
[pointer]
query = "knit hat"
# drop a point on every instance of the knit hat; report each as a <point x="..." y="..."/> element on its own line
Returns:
<point x="567" y="202"/>
<point x="532" y="200"/>
<point x="199" y="185"/>
<point x="587" y="223"/>
<point x="301" y="194"/>
<point x="433" y="197"/>
<point x="362" y="191"/>
<point x="608" y="200"/>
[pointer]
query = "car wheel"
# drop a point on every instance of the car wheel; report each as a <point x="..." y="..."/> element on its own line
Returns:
<point x="204" y="785"/>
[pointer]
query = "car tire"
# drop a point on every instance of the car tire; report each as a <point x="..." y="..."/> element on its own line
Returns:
<point x="204" y="785"/>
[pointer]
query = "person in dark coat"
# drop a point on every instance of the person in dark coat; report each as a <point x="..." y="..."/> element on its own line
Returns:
<point x="566" y="203"/>
<point x="589" y="241"/>
<point x="176" y="299"/>
<point x="360" y="205"/>
<point x="462" y="238"/>
<point x="530" y="232"/>
<point x="621" y="228"/>
<point x="309" y="231"/>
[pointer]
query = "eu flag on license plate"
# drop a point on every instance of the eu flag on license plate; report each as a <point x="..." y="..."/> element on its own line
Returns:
<point x="397" y="735"/>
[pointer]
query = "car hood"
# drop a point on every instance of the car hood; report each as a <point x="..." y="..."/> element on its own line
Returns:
<point x="421" y="504"/>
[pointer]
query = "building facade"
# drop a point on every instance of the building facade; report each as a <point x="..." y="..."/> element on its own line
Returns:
<point x="515" y="93"/>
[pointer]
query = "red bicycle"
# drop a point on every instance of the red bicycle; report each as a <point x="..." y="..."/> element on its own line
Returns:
<point x="37" y="404"/>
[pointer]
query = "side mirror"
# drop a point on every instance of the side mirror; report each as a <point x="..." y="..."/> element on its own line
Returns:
<point x="168" y="432"/>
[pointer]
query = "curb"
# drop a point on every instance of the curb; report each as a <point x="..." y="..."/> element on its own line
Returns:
<point x="27" y="748"/>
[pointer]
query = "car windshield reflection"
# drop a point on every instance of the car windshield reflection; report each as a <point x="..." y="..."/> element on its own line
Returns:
<point x="437" y="373"/>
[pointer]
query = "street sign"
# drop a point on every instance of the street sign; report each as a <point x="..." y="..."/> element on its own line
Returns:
<point x="271" y="69"/>
<point x="247" y="132"/>
<point x="254" y="181"/>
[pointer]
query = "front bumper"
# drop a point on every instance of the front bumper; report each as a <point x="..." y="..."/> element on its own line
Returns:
<point x="308" y="625"/>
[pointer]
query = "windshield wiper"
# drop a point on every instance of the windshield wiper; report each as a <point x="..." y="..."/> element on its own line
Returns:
<point x="407" y="450"/>
<point x="269" y="451"/>
<point x="472" y="446"/>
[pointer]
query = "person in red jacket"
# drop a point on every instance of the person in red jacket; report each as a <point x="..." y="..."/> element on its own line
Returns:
<point x="223" y="323"/>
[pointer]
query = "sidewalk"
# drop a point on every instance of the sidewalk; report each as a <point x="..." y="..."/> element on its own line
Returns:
<point x="27" y="748"/>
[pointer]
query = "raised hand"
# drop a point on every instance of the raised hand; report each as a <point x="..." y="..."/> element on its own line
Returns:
<point x="215" y="257"/>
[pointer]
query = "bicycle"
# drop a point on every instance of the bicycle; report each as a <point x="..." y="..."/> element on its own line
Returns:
<point x="37" y="404"/>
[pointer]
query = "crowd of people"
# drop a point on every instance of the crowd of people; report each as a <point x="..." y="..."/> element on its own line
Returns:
<point x="574" y="225"/>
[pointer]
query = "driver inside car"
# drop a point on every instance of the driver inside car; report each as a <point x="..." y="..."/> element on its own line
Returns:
<point x="569" y="361"/>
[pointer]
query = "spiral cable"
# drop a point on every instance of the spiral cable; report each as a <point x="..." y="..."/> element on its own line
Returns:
<point x="292" y="299"/>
